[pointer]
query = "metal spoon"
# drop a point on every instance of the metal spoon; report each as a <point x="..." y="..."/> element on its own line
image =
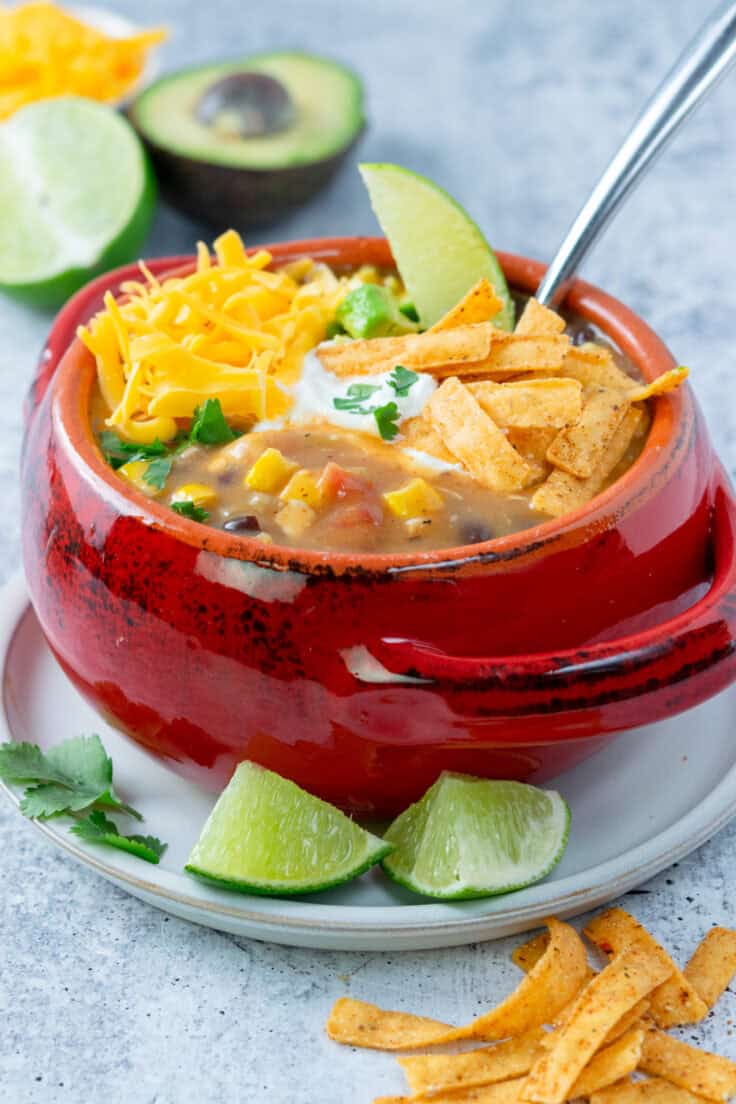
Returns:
<point x="695" y="73"/>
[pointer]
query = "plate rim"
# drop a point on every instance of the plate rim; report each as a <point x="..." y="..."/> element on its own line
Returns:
<point x="279" y="915"/>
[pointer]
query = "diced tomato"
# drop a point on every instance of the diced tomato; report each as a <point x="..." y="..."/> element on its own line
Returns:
<point x="368" y="512"/>
<point x="337" y="482"/>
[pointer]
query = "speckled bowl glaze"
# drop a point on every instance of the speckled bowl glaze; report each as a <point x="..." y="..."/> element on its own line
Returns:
<point x="363" y="677"/>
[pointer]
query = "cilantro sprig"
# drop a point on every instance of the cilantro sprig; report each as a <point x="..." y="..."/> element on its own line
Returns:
<point x="188" y="509"/>
<point x="209" y="427"/>
<point x="402" y="380"/>
<point x="387" y="419"/>
<point x="355" y="396"/>
<point x="97" y="828"/>
<point x="387" y="415"/>
<point x="74" y="779"/>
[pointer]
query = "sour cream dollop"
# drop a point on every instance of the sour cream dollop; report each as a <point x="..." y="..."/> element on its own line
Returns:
<point x="317" y="389"/>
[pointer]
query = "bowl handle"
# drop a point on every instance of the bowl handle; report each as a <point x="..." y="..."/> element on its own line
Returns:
<point x="698" y="645"/>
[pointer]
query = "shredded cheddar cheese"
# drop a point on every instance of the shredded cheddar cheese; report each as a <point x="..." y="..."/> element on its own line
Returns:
<point x="45" y="52"/>
<point x="234" y="330"/>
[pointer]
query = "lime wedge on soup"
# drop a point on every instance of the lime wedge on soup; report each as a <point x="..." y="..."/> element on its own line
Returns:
<point x="266" y="835"/>
<point x="76" y="195"/>
<point x="438" y="249"/>
<point x="471" y="837"/>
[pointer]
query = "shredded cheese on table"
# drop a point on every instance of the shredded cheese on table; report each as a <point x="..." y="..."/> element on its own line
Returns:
<point x="232" y="330"/>
<point x="45" y="52"/>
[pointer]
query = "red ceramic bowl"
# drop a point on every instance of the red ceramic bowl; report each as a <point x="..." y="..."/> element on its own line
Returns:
<point x="362" y="677"/>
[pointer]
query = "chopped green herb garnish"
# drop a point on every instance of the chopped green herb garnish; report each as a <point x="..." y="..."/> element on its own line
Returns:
<point x="402" y="380"/>
<point x="410" y="311"/>
<point x="70" y="777"/>
<point x="158" y="471"/>
<point x="387" y="418"/>
<point x="188" y="509"/>
<point x="118" y="452"/>
<point x="97" y="828"/>
<point x="357" y="393"/>
<point x="209" y="426"/>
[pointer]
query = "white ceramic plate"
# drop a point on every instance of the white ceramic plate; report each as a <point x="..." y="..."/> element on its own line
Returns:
<point x="640" y="805"/>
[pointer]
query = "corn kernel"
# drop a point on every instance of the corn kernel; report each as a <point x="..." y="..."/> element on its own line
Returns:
<point x="295" y="517"/>
<point x="414" y="500"/>
<point x="303" y="487"/>
<point x="270" y="472"/>
<point x="198" y="493"/>
<point x="134" y="471"/>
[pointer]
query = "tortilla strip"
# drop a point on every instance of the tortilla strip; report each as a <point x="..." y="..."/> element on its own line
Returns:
<point x="610" y="1065"/>
<point x="510" y="355"/>
<point x="698" y="1071"/>
<point x="480" y="304"/>
<point x="357" y="1023"/>
<point x="487" y="1065"/>
<point x="561" y="493"/>
<point x="501" y="1092"/>
<point x="653" y="1091"/>
<point x="546" y="989"/>
<point x="622" y="984"/>
<point x="532" y="443"/>
<point x="676" y="1002"/>
<point x="668" y="381"/>
<point x="594" y="366"/>
<point x="713" y="965"/>
<point x="578" y="448"/>
<point x="420" y="434"/>
<point x="423" y="352"/>
<point x="630" y="1019"/>
<point x="530" y="404"/>
<point x="468" y="432"/>
<point x="536" y="319"/>
<point x="528" y="954"/>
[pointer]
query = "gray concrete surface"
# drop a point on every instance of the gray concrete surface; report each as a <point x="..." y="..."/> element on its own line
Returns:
<point x="515" y="108"/>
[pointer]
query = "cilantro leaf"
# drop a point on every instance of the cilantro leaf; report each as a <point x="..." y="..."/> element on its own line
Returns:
<point x="118" y="452"/>
<point x="69" y="777"/>
<point x="356" y="395"/>
<point x="158" y="471"/>
<point x="209" y="426"/>
<point x="188" y="509"/>
<point x="386" y="419"/>
<point x="402" y="380"/>
<point x="97" y="828"/>
<point x="21" y="763"/>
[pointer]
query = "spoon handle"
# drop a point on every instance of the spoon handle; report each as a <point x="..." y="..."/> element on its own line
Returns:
<point x="704" y="60"/>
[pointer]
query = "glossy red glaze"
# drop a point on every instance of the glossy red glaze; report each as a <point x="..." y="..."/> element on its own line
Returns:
<point x="363" y="677"/>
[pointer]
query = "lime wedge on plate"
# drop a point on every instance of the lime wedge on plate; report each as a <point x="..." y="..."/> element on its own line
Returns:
<point x="470" y="837"/>
<point x="438" y="249"/>
<point x="266" y="835"/>
<point x="76" y="196"/>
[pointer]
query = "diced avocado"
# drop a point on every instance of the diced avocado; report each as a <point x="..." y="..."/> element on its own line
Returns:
<point x="372" y="311"/>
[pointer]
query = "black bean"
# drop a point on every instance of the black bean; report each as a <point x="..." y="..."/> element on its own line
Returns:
<point x="475" y="532"/>
<point x="248" y="523"/>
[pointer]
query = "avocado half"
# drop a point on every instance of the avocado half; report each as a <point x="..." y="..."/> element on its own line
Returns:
<point x="242" y="143"/>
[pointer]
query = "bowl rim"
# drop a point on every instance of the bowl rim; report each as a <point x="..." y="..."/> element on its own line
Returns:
<point x="673" y="414"/>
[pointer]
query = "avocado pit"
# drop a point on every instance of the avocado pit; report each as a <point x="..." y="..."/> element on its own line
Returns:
<point x="246" y="105"/>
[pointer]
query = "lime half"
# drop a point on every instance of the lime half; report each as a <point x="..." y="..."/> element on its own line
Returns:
<point x="438" y="249"/>
<point x="76" y="196"/>
<point x="266" y="835"/>
<point x="470" y="837"/>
